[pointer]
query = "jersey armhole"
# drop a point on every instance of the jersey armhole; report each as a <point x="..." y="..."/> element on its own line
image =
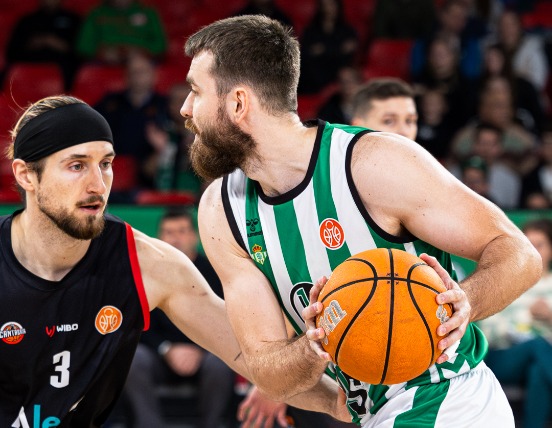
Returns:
<point x="137" y="274"/>
<point x="230" y="214"/>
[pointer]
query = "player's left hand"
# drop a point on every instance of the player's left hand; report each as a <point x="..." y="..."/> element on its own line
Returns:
<point x="453" y="329"/>
<point x="257" y="411"/>
<point x="315" y="335"/>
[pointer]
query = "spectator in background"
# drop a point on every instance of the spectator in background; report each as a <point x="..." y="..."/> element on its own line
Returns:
<point x="496" y="108"/>
<point x="453" y="25"/>
<point x="403" y="19"/>
<point x="265" y="7"/>
<point x="339" y="107"/>
<point x="165" y="355"/>
<point x="386" y="104"/>
<point x="442" y="73"/>
<point x="170" y="166"/>
<point x="434" y="130"/>
<point x="504" y="182"/>
<point x="116" y="29"/>
<point x="520" y="336"/>
<point x="528" y="109"/>
<point x="128" y="112"/>
<point x="475" y="175"/>
<point x="47" y="35"/>
<point x="328" y="43"/>
<point x="525" y="52"/>
<point x="537" y="183"/>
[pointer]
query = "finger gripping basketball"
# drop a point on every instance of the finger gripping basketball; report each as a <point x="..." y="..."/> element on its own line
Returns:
<point x="381" y="317"/>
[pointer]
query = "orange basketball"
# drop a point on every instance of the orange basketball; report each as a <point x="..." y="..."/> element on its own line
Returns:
<point x="380" y="316"/>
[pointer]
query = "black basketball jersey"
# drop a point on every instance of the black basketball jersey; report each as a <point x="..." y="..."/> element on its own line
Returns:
<point x="66" y="346"/>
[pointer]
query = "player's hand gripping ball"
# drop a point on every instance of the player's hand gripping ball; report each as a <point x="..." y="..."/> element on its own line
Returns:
<point x="380" y="316"/>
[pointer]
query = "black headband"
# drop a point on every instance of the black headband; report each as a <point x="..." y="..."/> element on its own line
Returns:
<point x="58" y="129"/>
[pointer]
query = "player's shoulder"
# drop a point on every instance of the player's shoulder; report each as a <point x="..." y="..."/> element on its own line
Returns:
<point x="381" y="149"/>
<point x="210" y="203"/>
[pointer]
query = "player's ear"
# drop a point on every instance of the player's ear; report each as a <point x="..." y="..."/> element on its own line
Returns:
<point x="240" y="103"/>
<point x="23" y="175"/>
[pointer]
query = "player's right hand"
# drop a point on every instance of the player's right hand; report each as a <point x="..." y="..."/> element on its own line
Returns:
<point x="315" y="335"/>
<point x="257" y="411"/>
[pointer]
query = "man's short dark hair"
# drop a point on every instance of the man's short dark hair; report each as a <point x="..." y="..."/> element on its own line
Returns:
<point x="253" y="50"/>
<point x="379" y="89"/>
<point x="175" y="213"/>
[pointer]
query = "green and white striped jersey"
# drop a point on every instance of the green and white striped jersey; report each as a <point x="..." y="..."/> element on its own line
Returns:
<point x="297" y="237"/>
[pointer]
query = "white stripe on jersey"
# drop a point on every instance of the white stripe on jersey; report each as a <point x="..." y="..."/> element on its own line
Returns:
<point x="357" y="234"/>
<point x="236" y="195"/>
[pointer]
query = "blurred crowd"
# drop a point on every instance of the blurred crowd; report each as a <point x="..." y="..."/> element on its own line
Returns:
<point x="469" y="80"/>
<point x="479" y="71"/>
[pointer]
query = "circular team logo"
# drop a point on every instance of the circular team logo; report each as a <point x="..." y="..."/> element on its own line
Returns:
<point x="12" y="333"/>
<point x="331" y="234"/>
<point x="108" y="320"/>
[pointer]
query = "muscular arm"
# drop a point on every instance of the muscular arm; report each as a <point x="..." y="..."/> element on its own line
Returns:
<point x="404" y="188"/>
<point x="174" y="284"/>
<point x="280" y="367"/>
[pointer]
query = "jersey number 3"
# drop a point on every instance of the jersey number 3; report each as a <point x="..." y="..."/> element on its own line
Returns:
<point x="62" y="362"/>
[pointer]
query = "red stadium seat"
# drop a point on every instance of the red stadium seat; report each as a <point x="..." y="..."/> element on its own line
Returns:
<point x="156" y="197"/>
<point x="26" y="83"/>
<point x="8" y="117"/>
<point x="125" y="173"/>
<point x="389" y="57"/>
<point x="300" y="12"/>
<point x="93" y="81"/>
<point x="171" y="73"/>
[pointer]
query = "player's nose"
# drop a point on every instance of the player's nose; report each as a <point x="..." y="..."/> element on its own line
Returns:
<point x="186" y="109"/>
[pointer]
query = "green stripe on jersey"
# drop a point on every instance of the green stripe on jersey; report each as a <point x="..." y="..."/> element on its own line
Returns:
<point x="427" y="401"/>
<point x="292" y="249"/>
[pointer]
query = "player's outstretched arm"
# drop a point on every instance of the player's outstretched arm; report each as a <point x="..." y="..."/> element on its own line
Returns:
<point x="174" y="284"/>
<point x="280" y="367"/>
<point x="405" y="189"/>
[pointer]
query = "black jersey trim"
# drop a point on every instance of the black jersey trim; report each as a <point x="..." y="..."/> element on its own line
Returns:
<point x="230" y="214"/>
<point x="407" y="237"/>
<point x="297" y="190"/>
<point x="137" y="275"/>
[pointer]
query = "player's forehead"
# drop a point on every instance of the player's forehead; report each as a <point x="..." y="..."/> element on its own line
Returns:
<point x="92" y="149"/>
<point x="394" y="106"/>
<point x="199" y="74"/>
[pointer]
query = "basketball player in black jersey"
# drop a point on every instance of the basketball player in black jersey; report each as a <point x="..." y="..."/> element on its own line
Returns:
<point x="77" y="284"/>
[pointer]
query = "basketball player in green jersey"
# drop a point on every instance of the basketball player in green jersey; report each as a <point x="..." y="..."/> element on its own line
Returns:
<point x="291" y="201"/>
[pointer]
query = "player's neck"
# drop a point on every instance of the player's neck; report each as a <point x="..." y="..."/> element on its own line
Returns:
<point x="285" y="152"/>
<point x="42" y="248"/>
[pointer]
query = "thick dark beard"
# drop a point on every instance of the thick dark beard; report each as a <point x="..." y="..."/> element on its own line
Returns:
<point x="70" y="224"/>
<point x="220" y="149"/>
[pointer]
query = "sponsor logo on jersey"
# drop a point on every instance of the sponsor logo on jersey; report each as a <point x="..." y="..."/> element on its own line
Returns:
<point x="38" y="422"/>
<point x="12" y="333"/>
<point x="258" y="254"/>
<point x="331" y="234"/>
<point x="61" y="328"/>
<point x="332" y="316"/>
<point x="252" y="227"/>
<point x="442" y="314"/>
<point x="109" y="319"/>
<point x="299" y="297"/>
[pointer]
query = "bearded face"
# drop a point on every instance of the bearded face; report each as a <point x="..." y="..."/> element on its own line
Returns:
<point x="219" y="148"/>
<point x="85" y="228"/>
